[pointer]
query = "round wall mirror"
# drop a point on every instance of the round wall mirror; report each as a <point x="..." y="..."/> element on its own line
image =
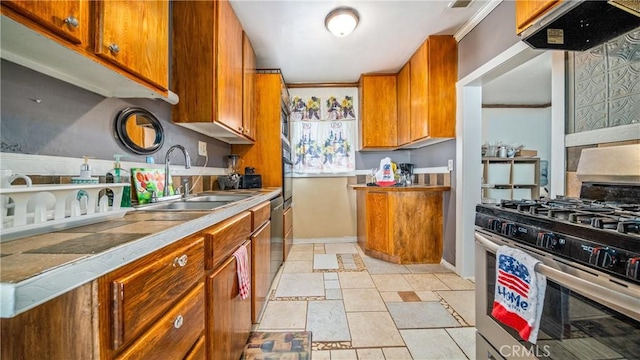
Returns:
<point x="139" y="131"/>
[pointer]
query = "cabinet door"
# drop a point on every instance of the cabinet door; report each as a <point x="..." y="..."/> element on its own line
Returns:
<point x="65" y="18"/>
<point x="419" y="91"/>
<point x="433" y="94"/>
<point x="248" y="86"/>
<point x="404" y="104"/>
<point x="228" y="318"/>
<point x="528" y="10"/>
<point x="135" y="36"/>
<point x="377" y="228"/>
<point x="229" y="71"/>
<point x="378" y="111"/>
<point x="260" y="270"/>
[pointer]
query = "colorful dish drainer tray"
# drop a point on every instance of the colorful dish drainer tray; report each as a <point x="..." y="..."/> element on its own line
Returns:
<point x="28" y="211"/>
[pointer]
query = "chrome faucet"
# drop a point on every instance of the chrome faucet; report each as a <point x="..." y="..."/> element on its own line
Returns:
<point x="167" y="175"/>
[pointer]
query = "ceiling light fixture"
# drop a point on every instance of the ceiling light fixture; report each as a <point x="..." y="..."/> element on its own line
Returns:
<point x="342" y="21"/>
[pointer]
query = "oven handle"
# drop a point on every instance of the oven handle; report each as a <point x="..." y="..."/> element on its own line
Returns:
<point x="621" y="302"/>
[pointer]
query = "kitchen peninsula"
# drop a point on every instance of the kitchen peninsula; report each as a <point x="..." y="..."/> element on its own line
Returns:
<point x="402" y="225"/>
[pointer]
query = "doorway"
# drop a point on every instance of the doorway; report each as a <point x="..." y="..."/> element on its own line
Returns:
<point x="469" y="140"/>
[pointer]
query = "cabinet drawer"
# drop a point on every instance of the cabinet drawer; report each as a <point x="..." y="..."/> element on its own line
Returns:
<point x="145" y="291"/>
<point x="288" y="219"/>
<point x="173" y="336"/>
<point x="223" y="239"/>
<point x="198" y="351"/>
<point x="260" y="215"/>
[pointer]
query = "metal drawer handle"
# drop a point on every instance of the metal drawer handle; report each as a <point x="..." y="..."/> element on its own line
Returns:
<point x="177" y="323"/>
<point x="180" y="261"/>
<point x="114" y="48"/>
<point x="72" y="21"/>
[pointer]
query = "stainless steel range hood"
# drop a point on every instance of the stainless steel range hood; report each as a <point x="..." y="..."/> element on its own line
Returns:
<point x="579" y="25"/>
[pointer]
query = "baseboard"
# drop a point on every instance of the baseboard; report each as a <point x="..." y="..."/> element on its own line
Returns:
<point x="326" y="240"/>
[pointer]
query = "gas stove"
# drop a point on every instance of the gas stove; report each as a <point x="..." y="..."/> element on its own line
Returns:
<point x="600" y="234"/>
<point x="600" y="230"/>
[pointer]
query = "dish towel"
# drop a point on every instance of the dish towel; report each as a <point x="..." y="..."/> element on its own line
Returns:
<point x="519" y="293"/>
<point x="242" y="268"/>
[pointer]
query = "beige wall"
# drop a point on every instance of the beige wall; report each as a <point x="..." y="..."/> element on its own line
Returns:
<point x="323" y="208"/>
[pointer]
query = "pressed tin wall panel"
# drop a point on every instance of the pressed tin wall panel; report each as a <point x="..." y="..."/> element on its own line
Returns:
<point x="606" y="84"/>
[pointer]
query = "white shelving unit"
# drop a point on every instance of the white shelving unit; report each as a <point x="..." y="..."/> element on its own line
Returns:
<point x="510" y="178"/>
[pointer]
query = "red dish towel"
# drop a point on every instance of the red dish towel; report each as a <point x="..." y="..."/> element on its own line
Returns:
<point x="519" y="293"/>
<point x="242" y="267"/>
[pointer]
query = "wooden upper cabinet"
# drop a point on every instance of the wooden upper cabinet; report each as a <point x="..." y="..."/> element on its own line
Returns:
<point x="434" y="71"/>
<point x="266" y="154"/>
<point x="248" y="87"/>
<point x="378" y="111"/>
<point x="68" y="19"/>
<point x="404" y="104"/>
<point x="210" y="80"/>
<point x="528" y="10"/>
<point x="229" y="67"/>
<point x="135" y="36"/>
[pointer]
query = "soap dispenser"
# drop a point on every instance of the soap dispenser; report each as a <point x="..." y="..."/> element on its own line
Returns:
<point x="115" y="176"/>
<point x="85" y="174"/>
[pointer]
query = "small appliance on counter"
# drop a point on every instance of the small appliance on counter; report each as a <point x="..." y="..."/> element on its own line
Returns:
<point x="250" y="180"/>
<point x="406" y="173"/>
<point x="232" y="179"/>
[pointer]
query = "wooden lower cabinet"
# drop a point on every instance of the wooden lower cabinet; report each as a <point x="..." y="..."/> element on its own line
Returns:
<point x="260" y="270"/>
<point x="403" y="227"/>
<point x="228" y="316"/>
<point x="61" y="328"/>
<point x="165" y="305"/>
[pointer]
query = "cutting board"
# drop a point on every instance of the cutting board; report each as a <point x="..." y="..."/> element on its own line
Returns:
<point x="146" y="181"/>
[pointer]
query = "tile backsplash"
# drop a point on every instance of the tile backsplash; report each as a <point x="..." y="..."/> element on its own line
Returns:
<point x="604" y="84"/>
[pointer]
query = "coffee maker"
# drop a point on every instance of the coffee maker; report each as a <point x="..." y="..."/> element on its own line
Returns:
<point x="406" y="171"/>
<point x="232" y="179"/>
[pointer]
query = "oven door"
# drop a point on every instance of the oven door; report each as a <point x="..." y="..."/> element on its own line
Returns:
<point x="586" y="315"/>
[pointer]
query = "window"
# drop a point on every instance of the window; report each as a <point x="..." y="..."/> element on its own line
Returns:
<point x="323" y="130"/>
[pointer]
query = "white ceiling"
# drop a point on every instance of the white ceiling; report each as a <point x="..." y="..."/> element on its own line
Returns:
<point x="291" y="36"/>
<point x="530" y="83"/>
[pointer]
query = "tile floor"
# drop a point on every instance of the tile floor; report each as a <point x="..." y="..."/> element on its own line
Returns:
<point x="362" y="308"/>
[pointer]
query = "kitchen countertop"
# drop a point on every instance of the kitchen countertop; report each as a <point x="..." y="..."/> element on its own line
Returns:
<point x="36" y="269"/>
<point x="402" y="188"/>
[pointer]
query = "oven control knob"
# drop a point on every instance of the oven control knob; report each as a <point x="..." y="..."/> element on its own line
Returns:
<point x="549" y="241"/>
<point x="495" y="224"/>
<point x="603" y="257"/>
<point x="509" y="229"/>
<point x="633" y="268"/>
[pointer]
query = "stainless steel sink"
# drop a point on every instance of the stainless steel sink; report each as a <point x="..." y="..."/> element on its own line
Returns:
<point x="218" y="198"/>
<point x="200" y="202"/>
<point x="184" y="206"/>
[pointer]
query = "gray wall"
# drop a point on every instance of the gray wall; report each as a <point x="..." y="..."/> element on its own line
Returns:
<point x="495" y="34"/>
<point x="72" y="122"/>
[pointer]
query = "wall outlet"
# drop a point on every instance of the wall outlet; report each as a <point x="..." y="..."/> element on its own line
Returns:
<point x="202" y="148"/>
<point x="450" y="165"/>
